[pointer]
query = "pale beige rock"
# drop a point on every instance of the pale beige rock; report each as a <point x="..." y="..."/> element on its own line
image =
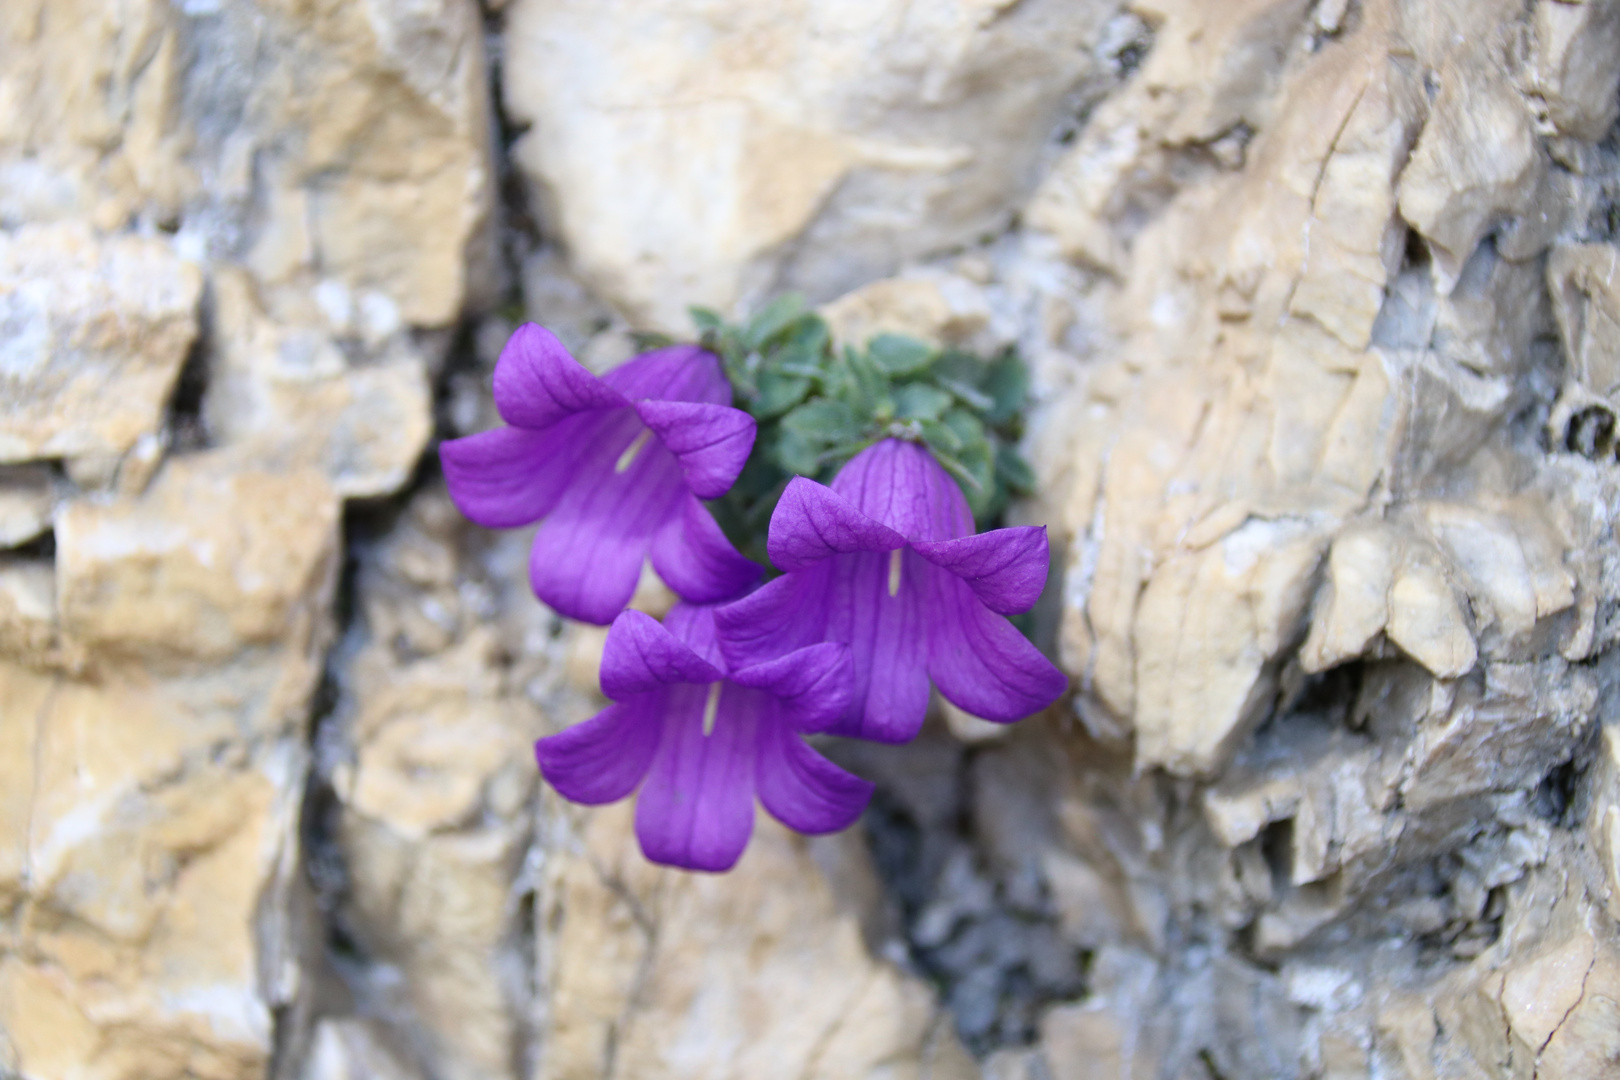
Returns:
<point x="1208" y="625"/>
<point x="435" y="782"/>
<point x="216" y="557"/>
<point x="938" y="309"/>
<point x="704" y="153"/>
<point x="1539" y="992"/>
<point x="292" y="399"/>
<point x="1476" y="165"/>
<point x="1427" y="621"/>
<point x="1292" y="343"/>
<point x="1355" y="603"/>
<point x="1585" y="284"/>
<point x="91" y="93"/>
<point x="969" y="728"/>
<point x="362" y="133"/>
<point x="150" y="836"/>
<point x="27" y="499"/>
<point x="1215" y="68"/>
<point x="659" y="972"/>
<point x="94" y="333"/>
<point x="1575" y="69"/>
<point x="28" y="624"/>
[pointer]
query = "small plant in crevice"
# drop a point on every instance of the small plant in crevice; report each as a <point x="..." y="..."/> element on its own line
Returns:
<point x="816" y="405"/>
<point x="862" y="475"/>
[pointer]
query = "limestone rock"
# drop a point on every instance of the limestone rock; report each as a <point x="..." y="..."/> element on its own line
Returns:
<point x="433" y="773"/>
<point x="1572" y="69"/>
<point x="149" y="844"/>
<point x="92" y="336"/>
<point x="939" y="309"/>
<point x="708" y="153"/>
<point x="216" y="557"/>
<point x="292" y="398"/>
<point x="341" y="143"/>
<point x="657" y="972"/>
<point x="1319" y="307"/>
<point x="352" y="1050"/>
<point x="26" y="501"/>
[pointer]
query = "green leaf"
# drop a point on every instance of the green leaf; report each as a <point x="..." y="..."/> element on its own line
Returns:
<point x="1008" y="387"/>
<point x="940" y="438"/>
<point x="972" y="486"/>
<point x="811" y="336"/>
<point x="704" y="319"/>
<point x="896" y="354"/>
<point x="1013" y="471"/>
<point x="823" y="422"/>
<point x="965" y="393"/>
<point x="919" y="401"/>
<point x="868" y="389"/>
<point x="797" y="454"/>
<point x="778" y="392"/>
<point x="968" y="428"/>
<point x="776" y="316"/>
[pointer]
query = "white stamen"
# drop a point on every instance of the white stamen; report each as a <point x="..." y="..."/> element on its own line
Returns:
<point x="894" y="571"/>
<point x="711" y="708"/>
<point x="630" y="452"/>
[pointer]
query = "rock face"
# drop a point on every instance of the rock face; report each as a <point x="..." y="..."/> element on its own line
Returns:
<point x="710" y="153"/>
<point x="232" y="237"/>
<point x="1321" y="306"/>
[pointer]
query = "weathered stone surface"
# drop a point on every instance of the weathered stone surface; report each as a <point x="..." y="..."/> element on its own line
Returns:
<point x="149" y="854"/>
<point x="707" y="153"/>
<point x="434" y="777"/>
<point x="291" y="398"/>
<point x="659" y="973"/>
<point x="92" y="336"/>
<point x="343" y="143"/>
<point x="26" y="501"/>
<point x="352" y="1050"/>
<point x="156" y="765"/>
<point x="215" y="558"/>
<point x="1319" y="304"/>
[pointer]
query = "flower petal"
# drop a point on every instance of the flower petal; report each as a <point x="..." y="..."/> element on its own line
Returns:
<point x="503" y="478"/>
<point x="901" y="485"/>
<point x="641" y="656"/>
<point x="696" y="809"/>
<point x="887" y="639"/>
<point x="711" y="442"/>
<point x="812" y="522"/>
<point x="802" y="789"/>
<point x="695" y="559"/>
<point x="588" y="554"/>
<point x="693" y="626"/>
<point x="538" y="383"/>
<point x="812" y="686"/>
<point x="603" y="759"/>
<point x="1005" y="568"/>
<point x="981" y="662"/>
<point x="675" y="373"/>
<point x="846" y="599"/>
<point x="782" y="615"/>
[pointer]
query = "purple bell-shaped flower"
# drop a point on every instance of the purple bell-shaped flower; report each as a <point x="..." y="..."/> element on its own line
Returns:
<point x="886" y="560"/>
<point x="703" y="740"/>
<point x="615" y="465"/>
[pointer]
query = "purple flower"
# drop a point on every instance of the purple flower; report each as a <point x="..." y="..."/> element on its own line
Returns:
<point x="887" y="561"/>
<point x="707" y="740"/>
<point x="616" y="466"/>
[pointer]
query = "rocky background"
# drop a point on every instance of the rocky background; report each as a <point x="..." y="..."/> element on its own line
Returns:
<point x="1322" y="305"/>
